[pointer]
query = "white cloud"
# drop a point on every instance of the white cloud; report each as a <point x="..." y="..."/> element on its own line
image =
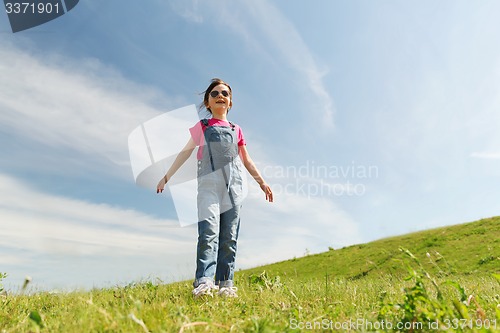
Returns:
<point x="293" y="223"/>
<point x="285" y="38"/>
<point x="44" y="223"/>
<point x="37" y="225"/>
<point x="301" y="217"/>
<point x="486" y="155"/>
<point x="188" y="10"/>
<point x="47" y="236"/>
<point x="7" y="259"/>
<point x="81" y="105"/>
<point x="271" y="35"/>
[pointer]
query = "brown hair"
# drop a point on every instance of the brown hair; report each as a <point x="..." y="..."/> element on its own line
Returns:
<point x="213" y="83"/>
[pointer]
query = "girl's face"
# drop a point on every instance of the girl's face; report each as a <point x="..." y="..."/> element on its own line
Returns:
<point x="219" y="100"/>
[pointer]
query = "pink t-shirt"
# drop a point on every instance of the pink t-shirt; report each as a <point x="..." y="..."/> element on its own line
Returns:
<point x="199" y="138"/>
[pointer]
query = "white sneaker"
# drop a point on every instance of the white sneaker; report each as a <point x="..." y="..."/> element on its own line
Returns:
<point x="228" y="292"/>
<point x="205" y="289"/>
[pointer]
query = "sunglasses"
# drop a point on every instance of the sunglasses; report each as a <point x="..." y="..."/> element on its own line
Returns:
<point x="215" y="93"/>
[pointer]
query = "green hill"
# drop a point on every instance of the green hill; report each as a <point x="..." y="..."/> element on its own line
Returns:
<point x="448" y="283"/>
<point x="470" y="248"/>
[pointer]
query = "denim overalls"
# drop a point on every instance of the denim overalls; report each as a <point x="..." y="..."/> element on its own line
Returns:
<point x="219" y="202"/>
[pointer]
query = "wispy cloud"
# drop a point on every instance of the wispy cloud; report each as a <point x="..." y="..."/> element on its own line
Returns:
<point x="304" y="215"/>
<point x="42" y="223"/>
<point x="486" y="155"/>
<point x="34" y="225"/>
<point x="46" y="236"/>
<point x="268" y="32"/>
<point x="287" y="41"/>
<point x="81" y="105"/>
<point x="189" y="10"/>
<point x="291" y="225"/>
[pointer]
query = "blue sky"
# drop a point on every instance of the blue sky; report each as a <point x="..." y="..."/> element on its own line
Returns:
<point x="368" y="118"/>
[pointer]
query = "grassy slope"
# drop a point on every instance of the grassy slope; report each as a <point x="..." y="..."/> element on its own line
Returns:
<point x="358" y="276"/>
<point x="463" y="249"/>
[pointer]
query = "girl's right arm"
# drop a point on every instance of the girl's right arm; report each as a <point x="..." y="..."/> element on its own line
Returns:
<point x="179" y="161"/>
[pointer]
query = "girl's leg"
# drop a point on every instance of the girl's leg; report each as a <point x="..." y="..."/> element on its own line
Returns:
<point x="228" y="236"/>
<point x="206" y="251"/>
<point x="208" y="233"/>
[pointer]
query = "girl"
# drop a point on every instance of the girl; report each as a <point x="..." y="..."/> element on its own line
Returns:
<point x="221" y="153"/>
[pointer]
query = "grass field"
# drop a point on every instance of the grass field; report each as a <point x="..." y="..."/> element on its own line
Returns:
<point x="446" y="279"/>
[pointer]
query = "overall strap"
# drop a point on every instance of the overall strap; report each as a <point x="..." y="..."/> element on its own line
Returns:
<point x="204" y="123"/>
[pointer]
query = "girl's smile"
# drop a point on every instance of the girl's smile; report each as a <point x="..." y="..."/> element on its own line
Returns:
<point x="219" y="101"/>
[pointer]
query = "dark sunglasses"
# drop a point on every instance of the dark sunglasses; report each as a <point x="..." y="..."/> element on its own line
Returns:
<point x="215" y="93"/>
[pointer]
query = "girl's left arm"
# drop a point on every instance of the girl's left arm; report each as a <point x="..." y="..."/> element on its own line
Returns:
<point x="252" y="169"/>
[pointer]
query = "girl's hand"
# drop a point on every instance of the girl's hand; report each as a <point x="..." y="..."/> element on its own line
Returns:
<point x="161" y="185"/>
<point x="267" y="190"/>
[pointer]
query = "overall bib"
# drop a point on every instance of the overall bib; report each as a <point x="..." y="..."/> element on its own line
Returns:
<point x="220" y="192"/>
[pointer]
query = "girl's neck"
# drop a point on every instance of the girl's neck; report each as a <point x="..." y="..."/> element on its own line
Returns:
<point x="219" y="116"/>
